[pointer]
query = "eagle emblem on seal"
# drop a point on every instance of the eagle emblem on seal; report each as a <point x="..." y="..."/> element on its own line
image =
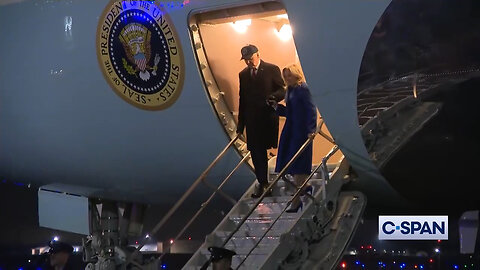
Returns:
<point x="135" y="39"/>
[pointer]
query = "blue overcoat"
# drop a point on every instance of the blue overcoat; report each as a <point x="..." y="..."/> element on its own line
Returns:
<point x="301" y="120"/>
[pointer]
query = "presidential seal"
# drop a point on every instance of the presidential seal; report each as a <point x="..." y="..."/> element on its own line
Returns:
<point x="139" y="54"/>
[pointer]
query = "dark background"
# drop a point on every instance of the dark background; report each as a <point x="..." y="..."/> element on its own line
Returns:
<point x="422" y="36"/>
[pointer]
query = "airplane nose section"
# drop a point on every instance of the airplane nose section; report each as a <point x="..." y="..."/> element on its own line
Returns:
<point x="376" y="139"/>
<point x="331" y="58"/>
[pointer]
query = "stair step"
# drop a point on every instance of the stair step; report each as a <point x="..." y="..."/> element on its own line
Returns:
<point x="268" y="200"/>
<point x="313" y="181"/>
<point x="254" y="261"/>
<point x="247" y="243"/>
<point x="265" y="218"/>
<point x="254" y="228"/>
<point x="243" y="246"/>
<point x="282" y="188"/>
<point x="265" y="213"/>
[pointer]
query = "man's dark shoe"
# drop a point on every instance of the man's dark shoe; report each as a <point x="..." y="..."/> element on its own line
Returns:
<point x="269" y="192"/>
<point x="260" y="190"/>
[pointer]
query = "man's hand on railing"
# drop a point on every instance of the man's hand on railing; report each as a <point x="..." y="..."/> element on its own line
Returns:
<point x="241" y="136"/>
<point x="319" y="126"/>
<point x="272" y="102"/>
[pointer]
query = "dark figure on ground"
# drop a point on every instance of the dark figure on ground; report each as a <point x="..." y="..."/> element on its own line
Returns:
<point x="221" y="258"/>
<point x="60" y="257"/>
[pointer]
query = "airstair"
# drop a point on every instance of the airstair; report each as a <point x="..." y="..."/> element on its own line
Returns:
<point x="265" y="236"/>
<point x="392" y="112"/>
<point x="382" y="97"/>
<point x="268" y="237"/>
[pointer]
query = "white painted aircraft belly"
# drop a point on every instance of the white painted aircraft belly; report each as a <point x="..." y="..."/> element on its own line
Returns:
<point x="61" y="122"/>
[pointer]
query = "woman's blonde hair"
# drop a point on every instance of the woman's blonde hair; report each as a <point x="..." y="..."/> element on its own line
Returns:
<point x="296" y="71"/>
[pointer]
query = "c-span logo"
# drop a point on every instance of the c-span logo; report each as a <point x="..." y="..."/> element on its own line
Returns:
<point x="139" y="53"/>
<point x="413" y="227"/>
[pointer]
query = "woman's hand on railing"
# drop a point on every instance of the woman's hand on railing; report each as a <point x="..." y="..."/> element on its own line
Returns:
<point x="241" y="136"/>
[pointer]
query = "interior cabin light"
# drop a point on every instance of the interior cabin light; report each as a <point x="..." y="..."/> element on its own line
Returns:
<point x="242" y="25"/>
<point x="284" y="32"/>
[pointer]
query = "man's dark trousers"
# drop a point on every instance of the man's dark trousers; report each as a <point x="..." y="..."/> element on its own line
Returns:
<point x="260" y="163"/>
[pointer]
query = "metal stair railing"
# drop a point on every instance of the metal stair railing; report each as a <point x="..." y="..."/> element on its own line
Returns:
<point x="416" y="76"/>
<point x="325" y="159"/>
<point x="205" y="204"/>
<point x="200" y="179"/>
<point x="323" y="165"/>
<point x="372" y="105"/>
<point x="298" y="192"/>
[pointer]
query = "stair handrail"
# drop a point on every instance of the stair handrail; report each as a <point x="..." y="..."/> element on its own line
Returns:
<point x="273" y="183"/>
<point x="185" y="196"/>
<point x="205" y="204"/>
<point x="360" y="114"/>
<point x="324" y="160"/>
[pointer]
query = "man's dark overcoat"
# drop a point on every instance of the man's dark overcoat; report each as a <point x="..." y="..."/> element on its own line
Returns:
<point x="260" y="119"/>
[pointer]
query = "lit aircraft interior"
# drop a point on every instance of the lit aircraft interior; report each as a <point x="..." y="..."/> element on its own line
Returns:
<point x="105" y="155"/>
<point x="267" y="26"/>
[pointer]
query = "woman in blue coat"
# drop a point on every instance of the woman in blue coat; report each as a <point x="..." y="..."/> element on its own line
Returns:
<point x="301" y="122"/>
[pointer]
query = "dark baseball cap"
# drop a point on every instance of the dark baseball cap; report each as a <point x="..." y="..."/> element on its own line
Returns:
<point x="220" y="253"/>
<point x="58" y="246"/>
<point x="248" y="51"/>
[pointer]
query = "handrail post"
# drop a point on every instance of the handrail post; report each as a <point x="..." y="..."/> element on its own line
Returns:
<point x="184" y="196"/>
<point x="192" y="187"/>
<point x="325" y="173"/>
<point x="223" y="194"/>
<point x="204" y="205"/>
<point x="325" y="177"/>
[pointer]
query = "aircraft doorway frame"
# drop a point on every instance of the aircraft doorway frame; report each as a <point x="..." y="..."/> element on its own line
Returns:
<point x="225" y="114"/>
<point x="266" y="17"/>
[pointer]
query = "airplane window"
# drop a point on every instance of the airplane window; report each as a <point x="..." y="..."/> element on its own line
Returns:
<point x="219" y="34"/>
